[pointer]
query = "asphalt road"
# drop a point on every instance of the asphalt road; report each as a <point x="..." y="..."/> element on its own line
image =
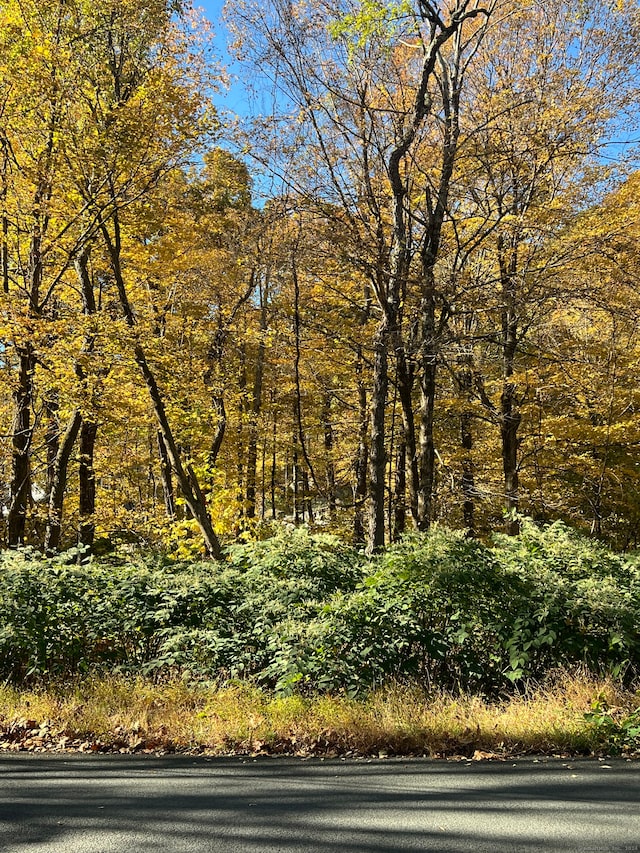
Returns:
<point x="102" y="804"/>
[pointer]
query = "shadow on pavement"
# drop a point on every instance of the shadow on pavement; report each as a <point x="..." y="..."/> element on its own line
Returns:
<point x="104" y="803"/>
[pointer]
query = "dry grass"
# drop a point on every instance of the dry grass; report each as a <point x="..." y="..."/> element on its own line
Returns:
<point x="113" y="713"/>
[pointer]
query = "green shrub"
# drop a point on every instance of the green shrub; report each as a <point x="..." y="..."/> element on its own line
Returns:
<point x="612" y="730"/>
<point x="301" y="612"/>
<point x="280" y="586"/>
<point x="58" y="617"/>
<point x="432" y="610"/>
<point x="582" y="605"/>
<point x="450" y="612"/>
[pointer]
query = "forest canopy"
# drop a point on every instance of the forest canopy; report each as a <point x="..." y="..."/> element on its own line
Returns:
<point x="430" y="316"/>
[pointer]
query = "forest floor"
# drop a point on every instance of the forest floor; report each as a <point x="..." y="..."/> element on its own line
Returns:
<point x="571" y="715"/>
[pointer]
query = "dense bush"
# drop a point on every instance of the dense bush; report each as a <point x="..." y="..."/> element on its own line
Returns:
<point x="58" y="616"/>
<point x="308" y="612"/>
<point x="451" y="612"/>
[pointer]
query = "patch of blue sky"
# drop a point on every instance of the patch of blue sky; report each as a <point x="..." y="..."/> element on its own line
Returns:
<point x="239" y="100"/>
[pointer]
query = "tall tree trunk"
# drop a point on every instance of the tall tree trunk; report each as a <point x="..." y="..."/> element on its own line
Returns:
<point x="287" y="486"/>
<point x="252" y="466"/>
<point x="254" y="415"/>
<point x="297" y="328"/>
<point x="510" y="416"/>
<point x="426" y="452"/>
<point x="52" y="439"/>
<point x="167" y="480"/>
<point x="378" y="452"/>
<point x="4" y="218"/>
<point x="89" y="426"/>
<point x="295" y="473"/>
<point x="87" y="477"/>
<point x="464" y="377"/>
<point x="509" y="435"/>
<point x="214" y="374"/>
<point x="274" y="435"/>
<point x="263" y="480"/>
<point x="328" y="449"/>
<point x="241" y="414"/>
<point x="362" y="456"/>
<point x="221" y="427"/>
<point x="20" y="486"/>
<point x="400" y="489"/>
<point x="4" y="254"/>
<point x="59" y="483"/>
<point x="450" y="83"/>
<point x="307" y="504"/>
<point x="509" y="424"/>
<point x="405" y="380"/>
<point x="468" y="478"/>
<point x="466" y="440"/>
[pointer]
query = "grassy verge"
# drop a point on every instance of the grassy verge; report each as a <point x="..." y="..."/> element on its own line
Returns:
<point x="133" y="715"/>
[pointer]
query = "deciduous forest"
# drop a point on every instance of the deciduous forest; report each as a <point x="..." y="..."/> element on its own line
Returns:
<point x="404" y="291"/>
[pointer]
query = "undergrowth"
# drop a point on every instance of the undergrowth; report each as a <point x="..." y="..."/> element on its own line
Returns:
<point x="572" y="715"/>
<point x="303" y="614"/>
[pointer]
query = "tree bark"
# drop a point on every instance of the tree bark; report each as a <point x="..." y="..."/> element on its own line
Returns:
<point x="20" y="486"/>
<point x="4" y="218"/>
<point x="510" y="421"/>
<point x="167" y="480"/>
<point x="252" y="466"/>
<point x="59" y="483"/>
<point x="241" y="413"/>
<point x="465" y="379"/>
<point x="297" y="328"/>
<point x="400" y="488"/>
<point x="428" y="375"/>
<point x="307" y="503"/>
<point x="221" y="427"/>
<point x="328" y="449"/>
<point x="362" y="456"/>
<point x="52" y="439"/>
<point x="254" y="414"/>
<point x="378" y="452"/>
<point x="274" y="436"/>
<point x="295" y="474"/>
<point x="89" y="426"/>
<point x="405" y="380"/>
<point x="510" y="416"/>
<point x="86" y="526"/>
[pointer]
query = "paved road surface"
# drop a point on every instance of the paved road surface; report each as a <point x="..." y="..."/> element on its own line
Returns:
<point x="112" y="804"/>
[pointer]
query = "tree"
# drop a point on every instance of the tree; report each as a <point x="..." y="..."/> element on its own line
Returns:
<point x="589" y="406"/>
<point x="369" y="85"/>
<point x="553" y="84"/>
<point x="110" y="109"/>
<point x="37" y="227"/>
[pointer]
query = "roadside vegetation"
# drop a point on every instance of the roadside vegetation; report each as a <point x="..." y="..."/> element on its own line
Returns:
<point x="570" y="715"/>
<point x="404" y="297"/>
<point x="300" y="643"/>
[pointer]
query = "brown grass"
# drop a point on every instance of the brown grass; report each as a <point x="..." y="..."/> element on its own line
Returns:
<point x="118" y="714"/>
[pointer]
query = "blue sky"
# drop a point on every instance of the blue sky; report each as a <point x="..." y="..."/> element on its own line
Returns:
<point x="211" y="7"/>
<point x="235" y="99"/>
